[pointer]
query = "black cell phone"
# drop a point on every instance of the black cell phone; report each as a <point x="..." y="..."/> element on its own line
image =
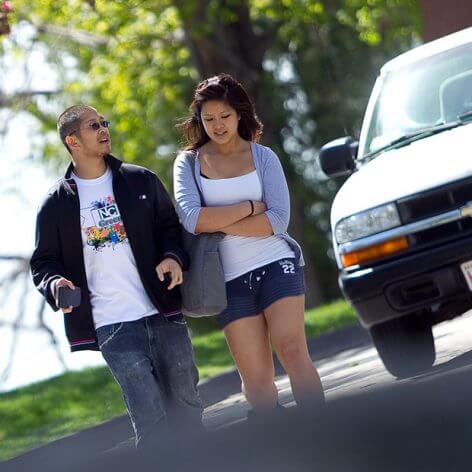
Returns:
<point x="167" y="278"/>
<point x="67" y="297"/>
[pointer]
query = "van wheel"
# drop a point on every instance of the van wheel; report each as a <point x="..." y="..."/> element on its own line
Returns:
<point x="405" y="345"/>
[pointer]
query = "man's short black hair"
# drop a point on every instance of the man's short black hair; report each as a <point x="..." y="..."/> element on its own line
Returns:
<point x="70" y="120"/>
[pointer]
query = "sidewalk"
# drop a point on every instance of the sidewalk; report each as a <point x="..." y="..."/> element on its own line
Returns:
<point x="63" y="452"/>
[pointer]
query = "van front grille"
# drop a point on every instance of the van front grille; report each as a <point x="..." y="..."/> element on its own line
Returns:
<point x="434" y="202"/>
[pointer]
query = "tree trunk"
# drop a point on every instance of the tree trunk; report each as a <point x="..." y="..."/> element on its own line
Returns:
<point x="233" y="47"/>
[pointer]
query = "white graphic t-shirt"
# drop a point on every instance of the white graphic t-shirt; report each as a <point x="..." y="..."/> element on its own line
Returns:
<point x="116" y="291"/>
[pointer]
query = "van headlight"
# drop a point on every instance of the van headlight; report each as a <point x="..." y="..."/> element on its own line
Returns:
<point x="367" y="223"/>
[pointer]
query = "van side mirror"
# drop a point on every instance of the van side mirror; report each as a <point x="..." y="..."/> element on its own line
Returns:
<point x="338" y="157"/>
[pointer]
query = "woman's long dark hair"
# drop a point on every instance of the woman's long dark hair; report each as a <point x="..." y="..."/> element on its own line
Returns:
<point x="226" y="88"/>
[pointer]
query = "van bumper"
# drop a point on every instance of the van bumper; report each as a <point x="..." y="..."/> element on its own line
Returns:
<point x="430" y="279"/>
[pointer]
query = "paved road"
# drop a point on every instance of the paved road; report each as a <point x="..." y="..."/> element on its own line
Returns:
<point x="359" y="391"/>
<point x="371" y="422"/>
<point x="359" y="369"/>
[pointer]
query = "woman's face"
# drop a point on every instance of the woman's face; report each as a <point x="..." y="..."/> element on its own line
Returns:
<point x="220" y="121"/>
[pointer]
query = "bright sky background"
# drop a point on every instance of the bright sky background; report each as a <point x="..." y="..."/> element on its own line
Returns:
<point x="23" y="184"/>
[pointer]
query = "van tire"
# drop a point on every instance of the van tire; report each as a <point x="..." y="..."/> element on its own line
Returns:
<point x="405" y="345"/>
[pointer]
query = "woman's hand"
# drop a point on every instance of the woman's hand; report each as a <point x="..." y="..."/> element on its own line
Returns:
<point x="259" y="207"/>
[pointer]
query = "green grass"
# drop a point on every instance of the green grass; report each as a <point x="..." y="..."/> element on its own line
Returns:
<point x="48" y="410"/>
<point x="327" y="318"/>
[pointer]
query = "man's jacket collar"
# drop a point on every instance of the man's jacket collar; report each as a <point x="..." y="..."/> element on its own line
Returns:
<point x="70" y="186"/>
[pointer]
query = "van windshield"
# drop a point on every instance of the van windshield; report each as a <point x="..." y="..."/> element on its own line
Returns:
<point x="426" y="94"/>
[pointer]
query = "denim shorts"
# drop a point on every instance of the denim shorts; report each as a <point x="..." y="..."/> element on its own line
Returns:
<point x="251" y="293"/>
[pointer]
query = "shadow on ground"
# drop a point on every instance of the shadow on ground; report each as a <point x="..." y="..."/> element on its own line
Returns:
<point x="424" y="426"/>
<point x="420" y="426"/>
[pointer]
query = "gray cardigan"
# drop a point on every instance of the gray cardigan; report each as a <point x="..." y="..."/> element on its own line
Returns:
<point x="275" y="193"/>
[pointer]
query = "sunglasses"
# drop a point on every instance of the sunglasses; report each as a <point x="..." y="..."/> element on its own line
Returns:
<point x="95" y="126"/>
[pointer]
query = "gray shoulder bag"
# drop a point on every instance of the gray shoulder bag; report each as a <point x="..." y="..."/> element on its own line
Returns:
<point x="203" y="289"/>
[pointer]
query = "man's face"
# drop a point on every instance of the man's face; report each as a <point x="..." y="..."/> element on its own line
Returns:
<point x="93" y="138"/>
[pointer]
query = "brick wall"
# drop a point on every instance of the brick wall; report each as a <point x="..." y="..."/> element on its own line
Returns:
<point x="445" y="16"/>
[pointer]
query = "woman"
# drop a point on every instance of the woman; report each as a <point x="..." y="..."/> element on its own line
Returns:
<point x="246" y="197"/>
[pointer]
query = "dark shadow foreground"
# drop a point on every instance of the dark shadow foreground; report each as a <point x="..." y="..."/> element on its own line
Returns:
<point x="421" y="425"/>
<point x="80" y="446"/>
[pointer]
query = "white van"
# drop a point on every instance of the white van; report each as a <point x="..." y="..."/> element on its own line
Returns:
<point x="401" y="225"/>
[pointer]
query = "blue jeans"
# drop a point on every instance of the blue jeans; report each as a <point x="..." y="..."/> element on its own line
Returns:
<point x="152" y="361"/>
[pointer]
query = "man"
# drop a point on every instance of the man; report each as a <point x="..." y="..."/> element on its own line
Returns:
<point x="110" y="229"/>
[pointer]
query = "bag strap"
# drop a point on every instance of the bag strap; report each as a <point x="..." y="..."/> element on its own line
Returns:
<point x="191" y="157"/>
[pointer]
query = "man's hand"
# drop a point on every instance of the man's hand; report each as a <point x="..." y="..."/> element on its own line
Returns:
<point x="59" y="283"/>
<point x="171" y="266"/>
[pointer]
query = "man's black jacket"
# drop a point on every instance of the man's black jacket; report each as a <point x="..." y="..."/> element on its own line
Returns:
<point x="153" y="232"/>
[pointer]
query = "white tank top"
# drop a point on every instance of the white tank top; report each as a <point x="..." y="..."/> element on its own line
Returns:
<point x="241" y="254"/>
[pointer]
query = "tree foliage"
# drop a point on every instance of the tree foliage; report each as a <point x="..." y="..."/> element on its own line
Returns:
<point x="309" y="64"/>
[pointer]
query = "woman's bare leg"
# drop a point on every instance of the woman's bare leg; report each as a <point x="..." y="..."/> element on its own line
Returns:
<point x="248" y="341"/>
<point x="285" y="319"/>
